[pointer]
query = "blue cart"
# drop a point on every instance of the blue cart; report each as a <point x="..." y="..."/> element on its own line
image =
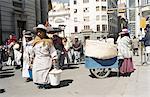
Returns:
<point x="101" y="68"/>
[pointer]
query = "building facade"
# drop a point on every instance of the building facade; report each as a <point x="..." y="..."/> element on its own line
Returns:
<point x="146" y="8"/>
<point x="59" y="16"/>
<point x="131" y="16"/>
<point x="17" y="15"/>
<point x="91" y="15"/>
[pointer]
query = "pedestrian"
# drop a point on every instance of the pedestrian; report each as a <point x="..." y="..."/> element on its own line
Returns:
<point x="45" y="56"/>
<point x="17" y="55"/>
<point x="135" y="46"/>
<point x="146" y="41"/>
<point x="125" y="54"/>
<point x="11" y="53"/>
<point x="57" y="41"/>
<point x="5" y="55"/>
<point x="66" y="50"/>
<point x="27" y="53"/>
<point x="77" y="48"/>
<point x="11" y="39"/>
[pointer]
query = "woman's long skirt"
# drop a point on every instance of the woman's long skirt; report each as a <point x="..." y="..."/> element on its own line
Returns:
<point x="127" y="66"/>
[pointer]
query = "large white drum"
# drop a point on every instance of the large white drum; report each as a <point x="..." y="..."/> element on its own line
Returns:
<point x="100" y="50"/>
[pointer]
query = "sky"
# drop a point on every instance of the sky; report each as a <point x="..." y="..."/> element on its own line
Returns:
<point x="63" y="1"/>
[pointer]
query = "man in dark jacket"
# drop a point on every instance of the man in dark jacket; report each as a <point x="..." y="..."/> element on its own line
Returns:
<point x="146" y="41"/>
<point x="57" y="41"/>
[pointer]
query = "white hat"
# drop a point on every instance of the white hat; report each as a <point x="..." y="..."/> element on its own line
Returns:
<point x="40" y="26"/>
<point x="28" y="34"/>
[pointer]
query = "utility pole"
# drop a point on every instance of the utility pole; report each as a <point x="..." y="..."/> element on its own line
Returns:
<point x="139" y="30"/>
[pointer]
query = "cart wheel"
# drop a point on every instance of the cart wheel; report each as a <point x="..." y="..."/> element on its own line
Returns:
<point x="100" y="72"/>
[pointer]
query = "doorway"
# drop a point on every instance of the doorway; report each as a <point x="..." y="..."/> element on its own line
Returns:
<point x="21" y="25"/>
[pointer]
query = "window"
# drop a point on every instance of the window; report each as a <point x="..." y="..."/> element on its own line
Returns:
<point x="98" y="27"/>
<point x="104" y="17"/>
<point x="86" y="9"/>
<point x="75" y="29"/>
<point x="97" y="8"/>
<point x="98" y="38"/>
<point x="75" y="2"/>
<point x="86" y="18"/>
<point x="86" y="27"/>
<point x="103" y="8"/>
<point x="97" y="17"/>
<point x="85" y="1"/>
<point x="17" y="4"/>
<point x="104" y="27"/>
<point x="75" y="10"/>
<point x="103" y="0"/>
<point x="75" y="19"/>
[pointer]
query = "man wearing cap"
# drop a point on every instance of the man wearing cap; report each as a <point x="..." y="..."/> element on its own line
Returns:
<point x="58" y="44"/>
<point x="77" y="49"/>
<point x="27" y="52"/>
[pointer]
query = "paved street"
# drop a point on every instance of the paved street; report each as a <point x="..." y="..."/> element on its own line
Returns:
<point x="76" y="82"/>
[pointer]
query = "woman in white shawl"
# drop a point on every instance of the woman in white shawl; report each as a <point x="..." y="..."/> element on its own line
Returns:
<point x="45" y="56"/>
<point x="125" y="53"/>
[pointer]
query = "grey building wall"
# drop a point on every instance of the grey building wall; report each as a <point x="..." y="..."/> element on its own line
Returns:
<point x="131" y="16"/>
<point x="6" y="17"/>
<point x="23" y="14"/>
<point x="38" y="11"/>
<point x="31" y="14"/>
<point x="44" y="10"/>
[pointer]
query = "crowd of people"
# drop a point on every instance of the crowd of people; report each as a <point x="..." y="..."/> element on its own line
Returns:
<point x="46" y="50"/>
<point x="45" y="46"/>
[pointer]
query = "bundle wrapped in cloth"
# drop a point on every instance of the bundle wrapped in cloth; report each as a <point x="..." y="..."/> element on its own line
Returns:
<point x="100" y="50"/>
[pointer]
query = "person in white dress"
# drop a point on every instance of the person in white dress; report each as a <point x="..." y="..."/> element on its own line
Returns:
<point x="45" y="55"/>
<point x="27" y="53"/>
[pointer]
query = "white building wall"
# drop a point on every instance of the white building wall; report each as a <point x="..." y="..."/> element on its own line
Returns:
<point x="64" y="19"/>
<point x="92" y="14"/>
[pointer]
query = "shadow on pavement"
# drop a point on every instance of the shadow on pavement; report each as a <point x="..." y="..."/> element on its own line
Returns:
<point x="92" y="76"/>
<point x="5" y="73"/>
<point x="64" y="83"/>
<point x="7" y="69"/>
<point x="70" y="67"/>
<point x="113" y="74"/>
<point x="2" y="91"/>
